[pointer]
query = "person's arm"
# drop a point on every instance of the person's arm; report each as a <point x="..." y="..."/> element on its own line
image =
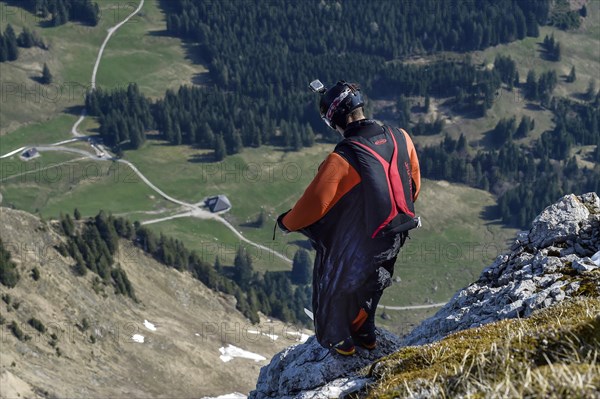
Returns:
<point x="333" y="180"/>
<point x="414" y="165"/>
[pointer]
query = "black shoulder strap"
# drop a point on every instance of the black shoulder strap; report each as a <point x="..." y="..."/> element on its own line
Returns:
<point x="345" y="150"/>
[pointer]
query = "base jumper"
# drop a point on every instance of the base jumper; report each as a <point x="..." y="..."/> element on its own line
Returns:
<point x="356" y="212"/>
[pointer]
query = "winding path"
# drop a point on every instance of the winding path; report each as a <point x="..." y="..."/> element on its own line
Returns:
<point x="111" y="31"/>
<point x="430" y="306"/>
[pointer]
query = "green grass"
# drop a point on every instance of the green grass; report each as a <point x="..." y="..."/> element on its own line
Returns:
<point x="73" y="50"/>
<point x="257" y="178"/>
<point x="56" y="130"/>
<point x="46" y="167"/>
<point x="86" y="185"/>
<point x="211" y="239"/>
<point x="552" y="354"/>
<point x="265" y="178"/>
<point x="154" y="61"/>
<point x="579" y="48"/>
<point x="134" y="54"/>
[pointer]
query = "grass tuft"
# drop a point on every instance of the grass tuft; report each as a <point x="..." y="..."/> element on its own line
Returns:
<point x="552" y="354"/>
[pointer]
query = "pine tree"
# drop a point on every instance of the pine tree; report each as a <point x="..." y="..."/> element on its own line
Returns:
<point x="25" y="39"/>
<point x="107" y="231"/>
<point x="46" y="75"/>
<point x="242" y="268"/>
<point x="533" y="29"/>
<point x="402" y="108"/>
<point x="521" y="22"/>
<point x="218" y="267"/>
<point x="80" y="269"/>
<point x="308" y="137"/>
<point x="60" y="14"/>
<point x="261" y="219"/>
<point x="9" y="275"/>
<point x="12" y="48"/>
<point x="220" y="150"/>
<point x="237" y="144"/>
<point x="590" y="93"/>
<point x="531" y="86"/>
<point x="572" y="75"/>
<point x="461" y="147"/>
<point x="67" y="224"/>
<point x="296" y="141"/>
<point x="3" y="48"/>
<point x="556" y="54"/>
<point x="178" y="138"/>
<point x="524" y="127"/>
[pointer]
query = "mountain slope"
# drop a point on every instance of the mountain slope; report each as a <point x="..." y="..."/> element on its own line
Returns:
<point x="529" y="327"/>
<point x="98" y="357"/>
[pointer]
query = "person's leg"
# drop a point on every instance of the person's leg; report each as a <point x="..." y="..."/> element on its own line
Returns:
<point x="364" y="335"/>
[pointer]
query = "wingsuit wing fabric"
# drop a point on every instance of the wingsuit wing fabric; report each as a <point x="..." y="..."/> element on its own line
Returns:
<point x="371" y="179"/>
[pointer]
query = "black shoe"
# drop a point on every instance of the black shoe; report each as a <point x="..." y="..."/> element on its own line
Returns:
<point x="365" y="335"/>
<point x="345" y="347"/>
<point x="366" y="340"/>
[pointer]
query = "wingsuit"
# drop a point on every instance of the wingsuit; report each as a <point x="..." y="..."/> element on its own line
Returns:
<point x="356" y="213"/>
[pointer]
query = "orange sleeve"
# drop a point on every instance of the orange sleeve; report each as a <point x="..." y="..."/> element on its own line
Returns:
<point x="333" y="180"/>
<point x="414" y="165"/>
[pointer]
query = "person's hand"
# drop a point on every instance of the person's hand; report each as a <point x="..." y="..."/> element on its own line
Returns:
<point x="280" y="222"/>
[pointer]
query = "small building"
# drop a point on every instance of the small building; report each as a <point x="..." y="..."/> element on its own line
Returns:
<point x="219" y="203"/>
<point x="30" y="153"/>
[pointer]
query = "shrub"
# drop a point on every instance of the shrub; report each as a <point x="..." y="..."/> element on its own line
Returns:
<point x="38" y="325"/>
<point x="85" y="324"/>
<point x="53" y="340"/>
<point x="35" y="273"/>
<point x="9" y="276"/>
<point x="17" y="332"/>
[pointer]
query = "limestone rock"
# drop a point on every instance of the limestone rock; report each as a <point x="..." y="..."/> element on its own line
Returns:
<point x="302" y="368"/>
<point x="559" y="221"/>
<point x="520" y="282"/>
<point x="543" y="268"/>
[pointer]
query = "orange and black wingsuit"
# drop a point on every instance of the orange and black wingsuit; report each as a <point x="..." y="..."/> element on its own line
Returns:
<point x="356" y="213"/>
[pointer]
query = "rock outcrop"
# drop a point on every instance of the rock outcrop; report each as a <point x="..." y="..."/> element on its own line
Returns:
<point x="541" y="270"/>
<point x="309" y="371"/>
<point x="545" y="266"/>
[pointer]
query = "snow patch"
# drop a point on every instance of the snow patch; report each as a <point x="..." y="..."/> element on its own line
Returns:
<point x="138" y="338"/>
<point x="271" y="336"/>
<point x="149" y="325"/>
<point x="302" y="337"/>
<point x="596" y="258"/>
<point x="231" y="352"/>
<point x="235" y="395"/>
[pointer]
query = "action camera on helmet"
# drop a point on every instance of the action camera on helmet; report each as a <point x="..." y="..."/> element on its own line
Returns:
<point x="336" y="103"/>
<point x="317" y="87"/>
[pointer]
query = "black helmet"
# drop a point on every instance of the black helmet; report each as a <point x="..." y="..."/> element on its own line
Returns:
<point x="337" y="102"/>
